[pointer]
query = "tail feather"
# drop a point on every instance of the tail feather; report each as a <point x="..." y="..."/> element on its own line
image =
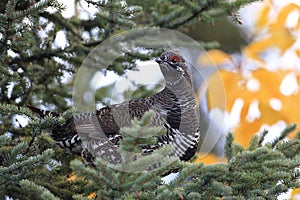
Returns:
<point x="65" y="135"/>
<point x="42" y="113"/>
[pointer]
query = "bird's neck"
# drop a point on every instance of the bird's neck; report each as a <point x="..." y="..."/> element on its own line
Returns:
<point x="182" y="90"/>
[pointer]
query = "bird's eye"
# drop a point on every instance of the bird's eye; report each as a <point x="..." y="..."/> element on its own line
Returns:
<point x="174" y="59"/>
<point x="163" y="57"/>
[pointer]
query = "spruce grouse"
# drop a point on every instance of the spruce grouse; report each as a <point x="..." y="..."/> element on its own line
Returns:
<point x="97" y="133"/>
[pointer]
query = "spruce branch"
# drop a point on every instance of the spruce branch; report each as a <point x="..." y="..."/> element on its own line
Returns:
<point x="18" y="165"/>
<point x="29" y="11"/>
<point x="8" y="108"/>
<point x="257" y="172"/>
<point x="228" y="146"/>
<point x="4" y="141"/>
<point x="186" y="171"/>
<point x="284" y="134"/>
<point x="40" y="191"/>
<point x="164" y="22"/>
<point x="262" y="137"/>
<point x="17" y="150"/>
<point x="254" y="143"/>
<point x="28" y="163"/>
<point x="118" y="181"/>
<point x="13" y="75"/>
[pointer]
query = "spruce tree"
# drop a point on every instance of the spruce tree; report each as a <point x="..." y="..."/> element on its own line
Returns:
<point x="32" y="67"/>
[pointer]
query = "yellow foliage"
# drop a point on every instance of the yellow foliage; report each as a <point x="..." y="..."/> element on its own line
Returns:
<point x="273" y="33"/>
<point x="92" y="195"/>
<point x="72" y="177"/>
<point x="214" y="57"/>
<point x="235" y="86"/>
<point x="263" y="18"/>
<point x="279" y="36"/>
<point x="298" y="53"/>
<point x="209" y="159"/>
<point x="295" y="193"/>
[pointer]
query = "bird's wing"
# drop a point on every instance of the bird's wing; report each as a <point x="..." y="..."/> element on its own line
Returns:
<point x="107" y="121"/>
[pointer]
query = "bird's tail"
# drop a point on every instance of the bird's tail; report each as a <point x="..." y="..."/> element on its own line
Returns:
<point x="42" y="113"/>
<point x="65" y="135"/>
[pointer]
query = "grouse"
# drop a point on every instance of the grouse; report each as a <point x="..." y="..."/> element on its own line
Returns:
<point x="97" y="133"/>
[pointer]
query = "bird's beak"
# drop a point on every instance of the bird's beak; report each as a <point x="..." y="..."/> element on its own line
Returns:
<point x="158" y="60"/>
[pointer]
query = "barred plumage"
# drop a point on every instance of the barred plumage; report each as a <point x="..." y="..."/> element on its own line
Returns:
<point x="97" y="133"/>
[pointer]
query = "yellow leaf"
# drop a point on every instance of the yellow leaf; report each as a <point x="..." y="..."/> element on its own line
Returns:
<point x="92" y="195"/>
<point x="235" y="86"/>
<point x="72" y="177"/>
<point x="214" y="57"/>
<point x="281" y="37"/>
<point x="263" y="18"/>
<point x="295" y="192"/>
<point x="209" y="159"/>
<point x="298" y="52"/>
<point x="254" y="49"/>
<point x="284" y="13"/>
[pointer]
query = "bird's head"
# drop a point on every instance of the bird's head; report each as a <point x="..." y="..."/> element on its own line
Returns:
<point x="173" y="68"/>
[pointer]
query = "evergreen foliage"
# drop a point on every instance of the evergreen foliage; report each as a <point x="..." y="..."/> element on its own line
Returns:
<point x="258" y="172"/>
<point x="32" y="67"/>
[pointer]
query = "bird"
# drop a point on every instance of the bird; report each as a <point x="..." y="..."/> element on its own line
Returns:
<point x="97" y="134"/>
